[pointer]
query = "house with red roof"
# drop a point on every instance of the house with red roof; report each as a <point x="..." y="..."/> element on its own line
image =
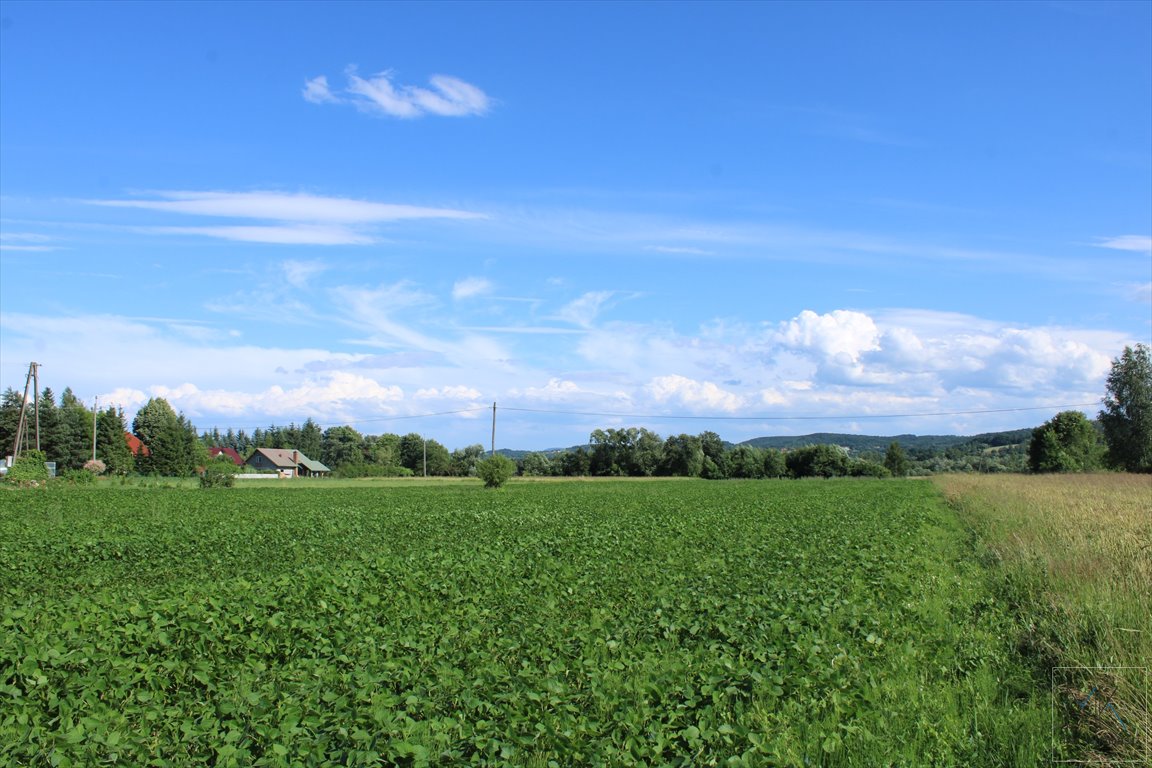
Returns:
<point x="138" y="448"/>
<point x="231" y="453"/>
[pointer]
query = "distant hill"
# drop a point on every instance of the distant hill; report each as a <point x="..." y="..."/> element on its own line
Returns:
<point x="862" y="443"/>
<point x="855" y="443"/>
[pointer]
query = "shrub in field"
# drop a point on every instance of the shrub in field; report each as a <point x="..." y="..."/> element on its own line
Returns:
<point x="77" y="477"/>
<point x="864" y="468"/>
<point x="95" y="467"/>
<point x="28" y="469"/>
<point x="495" y="470"/>
<point x="218" y="474"/>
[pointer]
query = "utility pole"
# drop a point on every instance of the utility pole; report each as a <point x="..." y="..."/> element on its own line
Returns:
<point x="33" y="383"/>
<point x="425" y="456"/>
<point x="493" y="427"/>
<point x="95" y="408"/>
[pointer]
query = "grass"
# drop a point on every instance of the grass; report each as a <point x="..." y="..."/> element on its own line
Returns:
<point x="1072" y="557"/>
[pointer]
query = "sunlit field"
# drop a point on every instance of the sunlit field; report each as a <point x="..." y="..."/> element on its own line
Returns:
<point x="1072" y="555"/>
<point x="607" y="623"/>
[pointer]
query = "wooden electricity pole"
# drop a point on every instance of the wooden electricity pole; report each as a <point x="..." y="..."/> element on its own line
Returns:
<point x="33" y="382"/>
<point x="493" y="428"/>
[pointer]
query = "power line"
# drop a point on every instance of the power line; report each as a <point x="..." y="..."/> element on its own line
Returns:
<point x="370" y="421"/>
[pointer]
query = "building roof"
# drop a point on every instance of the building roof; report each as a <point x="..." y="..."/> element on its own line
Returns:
<point x="312" y="465"/>
<point x="289" y="458"/>
<point x="229" y="452"/>
<point x="135" y="445"/>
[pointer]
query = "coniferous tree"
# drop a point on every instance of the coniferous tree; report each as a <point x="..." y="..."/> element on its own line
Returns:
<point x="111" y="444"/>
<point x="171" y="440"/>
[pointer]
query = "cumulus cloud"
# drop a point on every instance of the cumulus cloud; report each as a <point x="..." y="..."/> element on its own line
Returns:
<point x="447" y="96"/>
<point x="841" y="336"/>
<point x="694" y="395"/>
<point x="333" y="394"/>
<point x="456" y="392"/>
<point x="555" y="390"/>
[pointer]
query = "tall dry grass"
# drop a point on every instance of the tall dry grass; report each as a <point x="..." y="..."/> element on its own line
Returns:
<point x="1073" y="556"/>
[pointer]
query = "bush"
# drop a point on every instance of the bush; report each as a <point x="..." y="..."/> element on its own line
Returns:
<point x="817" y="461"/>
<point x="94" y="467"/>
<point x="349" y="471"/>
<point x="28" y="469"/>
<point x="77" y="477"/>
<point x="865" y="468"/>
<point x="495" y="470"/>
<point x="218" y="474"/>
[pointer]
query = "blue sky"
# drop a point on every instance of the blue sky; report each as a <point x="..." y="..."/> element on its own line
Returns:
<point x="884" y="218"/>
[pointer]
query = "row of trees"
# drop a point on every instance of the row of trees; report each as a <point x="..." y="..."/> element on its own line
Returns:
<point x="66" y="431"/>
<point x="638" y="452"/>
<point x="1120" y="439"/>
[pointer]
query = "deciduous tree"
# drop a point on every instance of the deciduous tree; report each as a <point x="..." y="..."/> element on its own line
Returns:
<point x="1065" y="443"/>
<point x="1127" y="414"/>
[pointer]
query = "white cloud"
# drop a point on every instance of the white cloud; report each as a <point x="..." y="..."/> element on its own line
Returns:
<point x="679" y="250"/>
<point x="840" y="336"/>
<point x="297" y="219"/>
<point x="452" y="392"/>
<point x="380" y="94"/>
<point x="1138" y="243"/>
<point x="327" y="397"/>
<point x="25" y="241"/>
<point x="317" y="91"/>
<point x="697" y="396"/>
<point x="583" y="311"/>
<point x="556" y="390"/>
<point x="283" y="207"/>
<point x="841" y="364"/>
<point x="300" y="273"/>
<point x="286" y="235"/>
<point x="470" y="287"/>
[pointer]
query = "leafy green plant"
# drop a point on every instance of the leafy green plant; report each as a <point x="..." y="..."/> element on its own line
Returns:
<point x="495" y="470"/>
<point x="28" y="469"/>
<point x="218" y="474"/>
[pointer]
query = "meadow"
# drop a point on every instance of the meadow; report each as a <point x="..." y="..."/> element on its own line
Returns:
<point x="739" y="623"/>
<point x="1072" y="556"/>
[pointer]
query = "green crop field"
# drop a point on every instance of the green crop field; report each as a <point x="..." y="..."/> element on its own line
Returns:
<point x="576" y="623"/>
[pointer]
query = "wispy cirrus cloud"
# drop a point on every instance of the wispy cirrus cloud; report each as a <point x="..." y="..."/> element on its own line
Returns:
<point x="281" y="218"/>
<point x="447" y="96"/>
<point x="1138" y="243"/>
<point x="281" y="206"/>
<point x="583" y="310"/>
<point x="470" y="287"/>
<point x="25" y="241"/>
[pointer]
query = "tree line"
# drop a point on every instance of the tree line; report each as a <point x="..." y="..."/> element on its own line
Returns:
<point x="1121" y="438"/>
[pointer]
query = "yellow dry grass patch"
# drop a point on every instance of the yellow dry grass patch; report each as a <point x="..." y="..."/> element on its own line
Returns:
<point x="1077" y="550"/>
